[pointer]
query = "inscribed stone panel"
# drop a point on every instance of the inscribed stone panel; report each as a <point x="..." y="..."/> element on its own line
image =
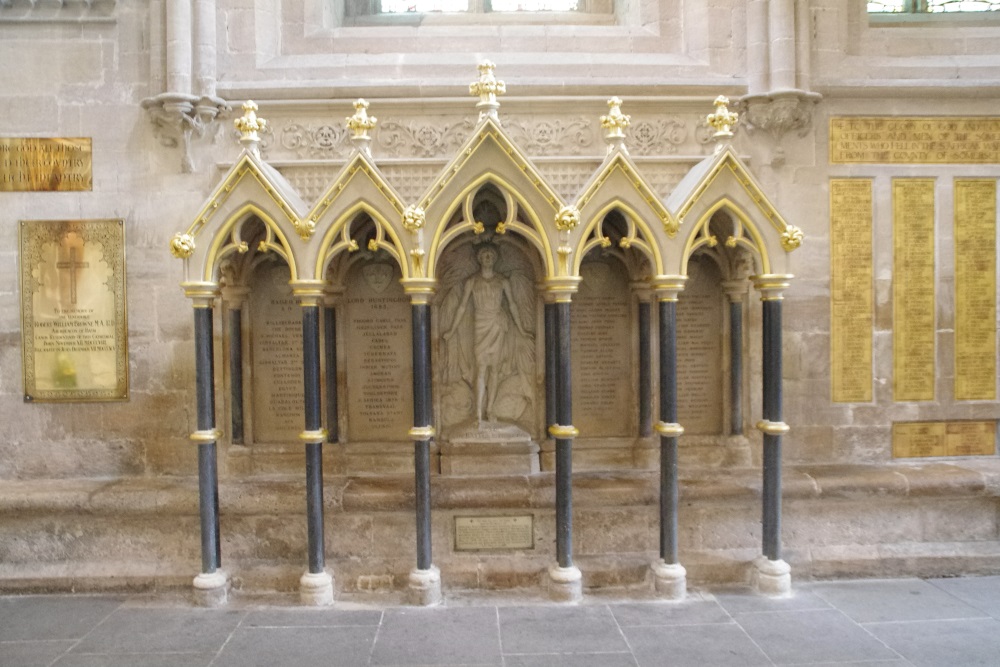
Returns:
<point x="379" y="354"/>
<point x="913" y="289"/>
<point x="851" y="293"/>
<point x="699" y="350"/>
<point x="915" y="140"/>
<point x="276" y="356"/>
<point x="975" y="289"/>
<point x="602" y="351"/>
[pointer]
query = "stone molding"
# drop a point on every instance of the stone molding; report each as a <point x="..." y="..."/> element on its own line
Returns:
<point x="179" y="120"/>
<point x="776" y="114"/>
<point x="58" y="11"/>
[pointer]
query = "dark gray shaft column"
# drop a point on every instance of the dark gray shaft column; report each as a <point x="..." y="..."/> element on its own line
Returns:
<point x="645" y="372"/>
<point x="236" y="373"/>
<point x="564" y="445"/>
<point x="208" y="484"/>
<point x="422" y="419"/>
<point x="330" y="352"/>
<point x="772" y="443"/>
<point x="551" y="368"/>
<point x="668" y="443"/>
<point x="736" y="367"/>
<point x="314" y="450"/>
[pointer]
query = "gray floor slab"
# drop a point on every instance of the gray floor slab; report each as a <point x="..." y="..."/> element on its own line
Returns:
<point x="298" y="647"/>
<point x="32" y="653"/>
<point x="687" y="612"/>
<point x="571" y="660"/>
<point x="983" y="593"/>
<point x="743" y="600"/>
<point x="161" y="631"/>
<point x="302" y="618"/>
<point x="954" y="643"/>
<point x="894" y="600"/>
<point x="442" y="636"/>
<point x="136" y="660"/>
<point x="552" y="629"/>
<point x="790" y="637"/>
<point x="693" y="646"/>
<point x="52" y="616"/>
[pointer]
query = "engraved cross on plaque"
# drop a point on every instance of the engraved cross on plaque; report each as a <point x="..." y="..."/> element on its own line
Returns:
<point x="73" y="265"/>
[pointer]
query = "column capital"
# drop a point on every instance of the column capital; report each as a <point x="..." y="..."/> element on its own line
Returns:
<point x="309" y="292"/>
<point x="642" y="289"/>
<point x="667" y="287"/>
<point x="735" y="290"/>
<point x="420" y="290"/>
<point x="560" y="289"/>
<point x="202" y="294"/>
<point x="235" y="295"/>
<point x="332" y="295"/>
<point x="772" y="285"/>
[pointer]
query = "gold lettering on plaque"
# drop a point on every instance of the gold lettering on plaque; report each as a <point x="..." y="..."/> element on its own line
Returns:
<point x="946" y="438"/>
<point x="36" y="164"/>
<point x="74" y="345"/>
<point x="915" y="140"/>
<point x="851" y="293"/>
<point x="475" y="533"/>
<point x="975" y="289"/>
<point x="913" y="302"/>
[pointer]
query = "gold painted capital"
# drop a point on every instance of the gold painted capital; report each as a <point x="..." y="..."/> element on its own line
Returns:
<point x="420" y="290"/>
<point x="772" y="428"/>
<point x="205" y="436"/>
<point x="669" y="429"/>
<point x="313" y="437"/>
<point x="772" y="285"/>
<point x="668" y="287"/>
<point x="561" y="432"/>
<point x="421" y="433"/>
<point x="201" y="293"/>
<point x="309" y="292"/>
<point x="561" y="289"/>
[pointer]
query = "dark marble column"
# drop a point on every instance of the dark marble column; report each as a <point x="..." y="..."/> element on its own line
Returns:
<point x="736" y="292"/>
<point x="330" y="355"/>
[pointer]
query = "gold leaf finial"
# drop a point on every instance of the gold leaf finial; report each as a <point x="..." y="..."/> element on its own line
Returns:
<point x="615" y="121"/>
<point x="487" y="88"/>
<point x="182" y="246"/>
<point x="723" y="119"/>
<point x="249" y="124"/>
<point x="413" y="218"/>
<point x="567" y="218"/>
<point x="360" y="124"/>
<point x="791" y="238"/>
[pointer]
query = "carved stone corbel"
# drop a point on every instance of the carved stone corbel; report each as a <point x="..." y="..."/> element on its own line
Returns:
<point x="778" y="113"/>
<point x="178" y="119"/>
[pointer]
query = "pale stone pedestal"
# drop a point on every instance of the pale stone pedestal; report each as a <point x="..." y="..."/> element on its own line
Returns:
<point x="565" y="583"/>
<point x="771" y="577"/>
<point x="669" y="580"/>
<point x="211" y="590"/>
<point x="425" y="587"/>
<point x="487" y="449"/>
<point x="316" y="589"/>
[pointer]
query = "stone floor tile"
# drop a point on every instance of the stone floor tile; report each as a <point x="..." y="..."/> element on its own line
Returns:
<point x="298" y="647"/>
<point x="688" y="612"/>
<point x="693" y="646"/>
<point x="441" y="636"/>
<point x="951" y="643"/>
<point x="983" y="593"/>
<point x="737" y="601"/>
<point x="31" y="653"/>
<point x="161" y="631"/>
<point x="52" y="616"/>
<point x="136" y="660"/>
<point x="894" y="600"/>
<point x="301" y="618"/>
<point x="570" y="660"/>
<point x="812" y="636"/>
<point x="586" y="629"/>
<point x="864" y="663"/>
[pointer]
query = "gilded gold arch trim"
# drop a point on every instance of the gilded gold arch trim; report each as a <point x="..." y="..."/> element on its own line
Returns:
<point x="748" y="184"/>
<point x="535" y="234"/>
<point x="670" y="224"/>
<point x="647" y="244"/>
<point x="358" y="166"/>
<point x="699" y="235"/>
<point x="330" y="246"/>
<point x="220" y="247"/>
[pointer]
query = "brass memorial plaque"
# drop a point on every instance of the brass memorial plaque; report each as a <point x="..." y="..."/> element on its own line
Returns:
<point x="913" y="302"/>
<point x="851" y="292"/>
<point x="915" y="140"/>
<point x="74" y="334"/>
<point x="951" y="438"/>
<point x="37" y="164"/>
<point x="480" y="533"/>
<point x="975" y="289"/>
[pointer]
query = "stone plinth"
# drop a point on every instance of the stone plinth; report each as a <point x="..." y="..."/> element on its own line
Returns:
<point x="489" y="448"/>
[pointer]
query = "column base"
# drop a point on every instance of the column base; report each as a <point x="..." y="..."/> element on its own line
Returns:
<point x="771" y="577"/>
<point x="316" y="589"/>
<point x="565" y="583"/>
<point x="669" y="580"/>
<point x="211" y="590"/>
<point x="425" y="587"/>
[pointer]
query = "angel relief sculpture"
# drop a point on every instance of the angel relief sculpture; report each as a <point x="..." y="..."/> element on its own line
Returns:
<point x="487" y="315"/>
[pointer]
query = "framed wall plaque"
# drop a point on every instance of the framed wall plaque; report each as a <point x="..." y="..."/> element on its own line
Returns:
<point x="74" y="328"/>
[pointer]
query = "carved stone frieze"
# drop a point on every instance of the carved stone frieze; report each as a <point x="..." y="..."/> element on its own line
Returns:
<point x="552" y="137"/>
<point x="779" y="114"/>
<point x="56" y="11"/>
<point x="657" y="137"/>
<point x="421" y="138"/>
<point x="314" y="141"/>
